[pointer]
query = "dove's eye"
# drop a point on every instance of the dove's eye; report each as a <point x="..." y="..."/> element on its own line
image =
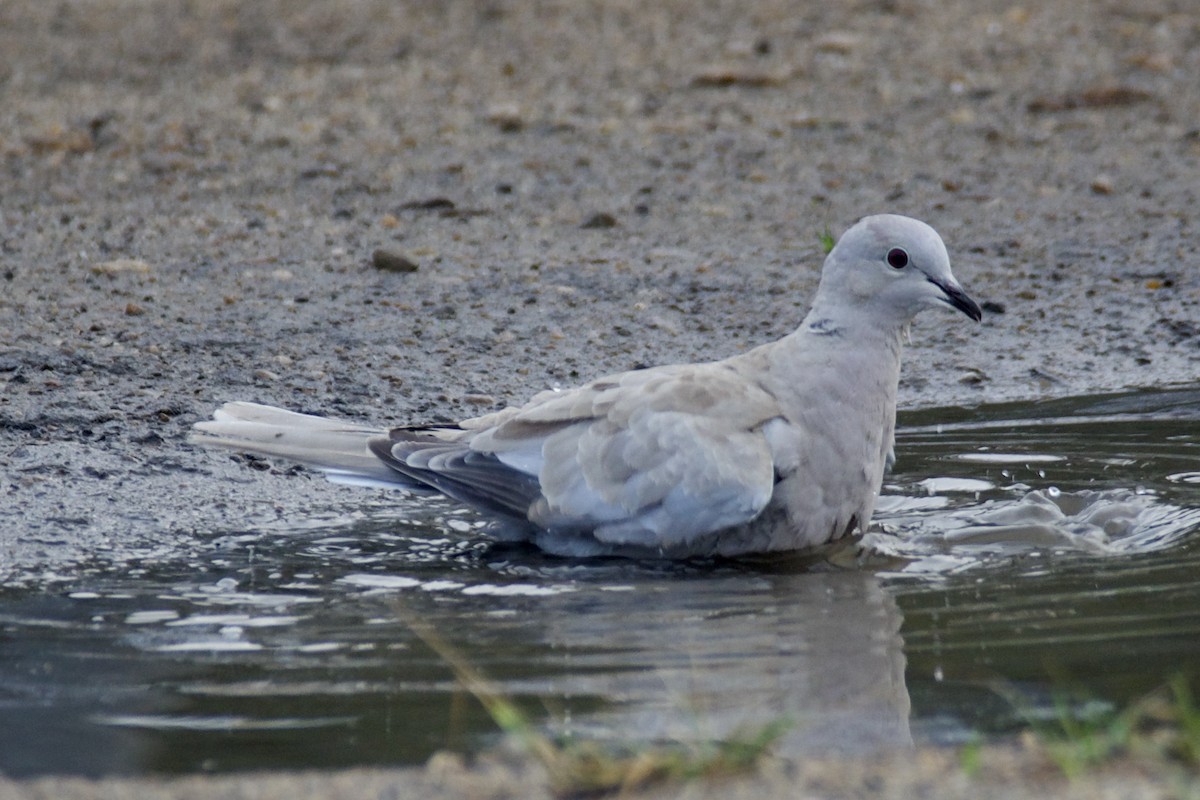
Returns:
<point x="897" y="258"/>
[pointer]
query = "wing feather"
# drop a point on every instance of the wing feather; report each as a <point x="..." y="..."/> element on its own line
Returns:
<point x="668" y="453"/>
<point x="477" y="479"/>
<point x="653" y="458"/>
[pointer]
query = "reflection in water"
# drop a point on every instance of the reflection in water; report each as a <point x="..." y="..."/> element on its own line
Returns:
<point x="281" y="661"/>
<point x="1117" y="628"/>
<point x="821" y="649"/>
<point x="1023" y="545"/>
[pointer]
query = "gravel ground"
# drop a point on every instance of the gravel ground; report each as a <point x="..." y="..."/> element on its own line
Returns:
<point x="1007" y="775"/>
<point x="192" y="196"/>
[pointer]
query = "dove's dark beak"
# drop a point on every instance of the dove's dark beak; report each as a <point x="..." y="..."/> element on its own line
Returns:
<point x="957" y="298"/>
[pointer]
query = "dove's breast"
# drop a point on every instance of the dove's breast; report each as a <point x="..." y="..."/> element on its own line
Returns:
<point x="829" y="447"/>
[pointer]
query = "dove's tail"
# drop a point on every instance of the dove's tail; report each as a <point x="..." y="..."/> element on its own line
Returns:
<point x="339" y="449"/>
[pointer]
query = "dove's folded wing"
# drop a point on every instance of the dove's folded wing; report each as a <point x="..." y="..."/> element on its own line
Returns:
<point x="651" y="458"/>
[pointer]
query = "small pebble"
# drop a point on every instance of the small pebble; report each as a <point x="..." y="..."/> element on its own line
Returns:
<point x="389" y="261"/>
<point x="1154" y="62"/>
<point x="1095" y="97"/>
<point x="1102" y="184"/>
<point x="119" y="265"/>
<point x="720" y="76"/>
<point x="506" y="116"/>
<point x="601" y="220"/>
<point x="431" y="204"/>
<point x="58" y="139"/>
<point x="479" y="399"/>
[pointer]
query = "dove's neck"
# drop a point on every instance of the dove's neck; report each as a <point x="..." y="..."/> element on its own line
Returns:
<point x="839" y="350"/>
<point x="832" y="323"/>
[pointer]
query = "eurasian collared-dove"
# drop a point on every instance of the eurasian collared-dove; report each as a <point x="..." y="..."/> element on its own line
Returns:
<point x="780" y="448"/>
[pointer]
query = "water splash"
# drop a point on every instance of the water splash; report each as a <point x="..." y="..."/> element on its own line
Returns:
<point x="1088" y="476"/>
<point x="1100" y="523"/>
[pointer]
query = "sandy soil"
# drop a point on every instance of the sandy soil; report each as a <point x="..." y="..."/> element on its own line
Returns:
<point x="1008" y="775"/>
<point x="192" y="194"/>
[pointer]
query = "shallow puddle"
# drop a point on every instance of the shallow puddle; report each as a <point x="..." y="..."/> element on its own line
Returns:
<point x="1027" y="547"/>
<point x="1071" y="560"/>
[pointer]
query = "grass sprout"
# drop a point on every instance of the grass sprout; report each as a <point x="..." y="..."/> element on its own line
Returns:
<point x="1162" y="726"/>
<point x="825" y="237"/>
<point x="970" y="756"/>
<point x="582" y="768"/>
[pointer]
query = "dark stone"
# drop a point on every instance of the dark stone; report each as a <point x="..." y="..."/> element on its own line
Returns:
<point x="601" y="220"/>
<point x="388" y="261"/>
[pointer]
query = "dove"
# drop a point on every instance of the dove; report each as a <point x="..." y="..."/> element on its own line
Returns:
<point x="780" y="448"/>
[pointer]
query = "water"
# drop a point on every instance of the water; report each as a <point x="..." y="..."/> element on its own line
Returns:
<point x="1092" y="580"/>
<point x="1032" y="546"/>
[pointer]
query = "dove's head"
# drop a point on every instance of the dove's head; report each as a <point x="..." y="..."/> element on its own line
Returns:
<point x="892" y="267"/>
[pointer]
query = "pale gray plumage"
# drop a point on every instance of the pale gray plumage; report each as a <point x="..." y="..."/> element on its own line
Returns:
<point x="780" y="448"/>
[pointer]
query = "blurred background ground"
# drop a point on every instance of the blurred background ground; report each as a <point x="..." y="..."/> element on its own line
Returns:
<point x="191" y="194"/>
